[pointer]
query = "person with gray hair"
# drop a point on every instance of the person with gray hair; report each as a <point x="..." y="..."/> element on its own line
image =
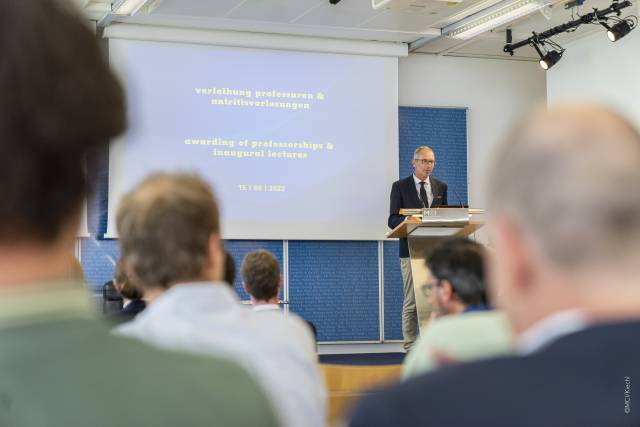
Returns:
<point x="565" y="226"/>
<point x="420" y="190"/>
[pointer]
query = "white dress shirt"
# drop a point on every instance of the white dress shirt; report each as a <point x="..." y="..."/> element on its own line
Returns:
<point x="550" y="329"/>
<point x="266" y="307"/>
<point x="207" y="318"/>
<point x="427" y="188"/>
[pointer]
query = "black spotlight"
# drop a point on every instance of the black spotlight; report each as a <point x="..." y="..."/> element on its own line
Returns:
<point x="550" y="59"/>
<point x="618" y="31"/>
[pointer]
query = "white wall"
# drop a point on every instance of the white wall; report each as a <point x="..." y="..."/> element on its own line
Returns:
<point x="497" y="92"/>
<point x="594" y="69"/>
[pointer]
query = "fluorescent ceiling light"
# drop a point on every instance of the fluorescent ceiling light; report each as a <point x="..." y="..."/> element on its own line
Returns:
<point x="474" y="8"/>
<point x="127" y="7"/>
<point x="405" y="5"/>
<point x="377" y="4"/>
<point x="492" y="17"/>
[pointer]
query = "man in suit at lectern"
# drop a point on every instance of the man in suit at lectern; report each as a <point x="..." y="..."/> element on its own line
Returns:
<point x="420" y="190"/>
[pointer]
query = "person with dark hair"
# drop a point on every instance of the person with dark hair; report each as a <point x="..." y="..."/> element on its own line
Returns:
<point x="170" y="239"/>
<point x="457" y="276"/>
<point x="132" y="296"/>
<point x="461" y="327"/>
<point x="59" y="365"/>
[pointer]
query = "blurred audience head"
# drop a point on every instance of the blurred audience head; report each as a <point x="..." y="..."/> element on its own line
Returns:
<point x="565" y="215"/>
<point x="261" y="276"/>
<point x="123" y="283"/>
<point x="169" y="232"/>
<point x="59" y="103"/>
<point x="457" y="276"/>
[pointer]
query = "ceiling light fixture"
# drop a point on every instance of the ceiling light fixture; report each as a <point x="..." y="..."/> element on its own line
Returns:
<point x="492" y="17"/>
<point x="550" y="57"/>
<point x="621" y="28"/>
<point x="128" y="7"/>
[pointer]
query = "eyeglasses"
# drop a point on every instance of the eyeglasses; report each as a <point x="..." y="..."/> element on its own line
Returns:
<point x="425" y="161"/>
<point x="426" y="289"/>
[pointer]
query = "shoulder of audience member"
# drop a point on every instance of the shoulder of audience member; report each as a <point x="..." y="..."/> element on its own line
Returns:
<point x="289" y="324"/>
<point x="408" y="400"/>
<point x="125" y="329"/>
<point x="216" y="387"/>
<point x="459" y="338"/>
<point x="471" y="324"/>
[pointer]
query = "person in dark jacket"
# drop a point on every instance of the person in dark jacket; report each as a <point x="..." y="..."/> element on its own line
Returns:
<point x="420" y="190"/>
<point x="132" y="296"/>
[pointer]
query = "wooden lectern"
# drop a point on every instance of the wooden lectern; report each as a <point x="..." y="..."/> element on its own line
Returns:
<point x="425" y="227"/>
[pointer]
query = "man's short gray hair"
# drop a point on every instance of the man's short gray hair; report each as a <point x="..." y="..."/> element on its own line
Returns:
<point x="417" y="151"/>
<point x="569" y="177"/>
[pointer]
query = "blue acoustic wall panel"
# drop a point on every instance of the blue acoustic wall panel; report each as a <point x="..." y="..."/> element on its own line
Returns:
<point x="98" y="260"/>
<point x="445" y="131"/>
<point x="98" y="256"/>
<point x="393" y="292"/>
<point x="239" y="248"/>
<point x="335" y="285"/>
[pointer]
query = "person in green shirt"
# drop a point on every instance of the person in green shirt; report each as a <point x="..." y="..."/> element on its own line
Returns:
<point x="462" y="327"/>
<point x="59" y="365"/>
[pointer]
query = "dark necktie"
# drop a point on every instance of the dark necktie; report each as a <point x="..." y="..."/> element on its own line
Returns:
<point x="423" y="195"/>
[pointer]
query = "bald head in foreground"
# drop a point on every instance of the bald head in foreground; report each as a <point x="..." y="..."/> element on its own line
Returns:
<point x="565" y="224"/>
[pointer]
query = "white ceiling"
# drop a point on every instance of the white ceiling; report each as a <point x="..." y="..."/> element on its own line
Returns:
<point x="356" y="19"/>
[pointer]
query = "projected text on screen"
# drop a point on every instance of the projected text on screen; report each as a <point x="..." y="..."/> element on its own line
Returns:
<point x="296" y="145"/>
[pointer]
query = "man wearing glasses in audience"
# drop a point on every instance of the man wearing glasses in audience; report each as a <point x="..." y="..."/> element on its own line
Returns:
<point x="420" y="190"/>
<point x="463" y="326"/>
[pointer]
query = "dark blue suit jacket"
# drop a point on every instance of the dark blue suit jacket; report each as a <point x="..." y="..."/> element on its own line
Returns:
<point x="404" y="195"/>
<point x="129" y="312"/>
<point x="580" y="380"/>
